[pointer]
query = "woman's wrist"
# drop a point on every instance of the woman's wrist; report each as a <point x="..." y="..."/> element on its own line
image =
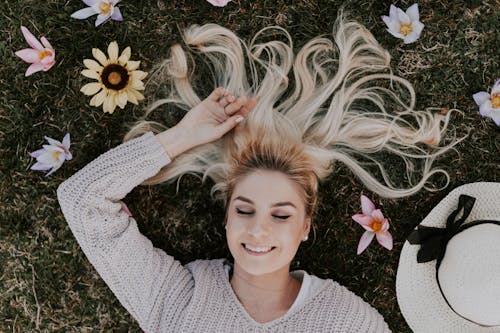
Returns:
<point x="175" y="141"/>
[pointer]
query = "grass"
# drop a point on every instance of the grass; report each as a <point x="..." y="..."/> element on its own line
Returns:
<point x="46" y="283"/>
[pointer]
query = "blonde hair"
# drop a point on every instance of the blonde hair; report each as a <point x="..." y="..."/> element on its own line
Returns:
<point x="327" y="103"/>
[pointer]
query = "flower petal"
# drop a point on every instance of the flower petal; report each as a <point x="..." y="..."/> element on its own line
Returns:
<point x="393" y="12"/>
<point x="133" y="65"/>
<point x="98" y="99"/>
<point x="84" y="13"/>
<point x="412" y="12"/>
<point x="92" y="64"/>
<point x="367" y="206"/>
<point x="121" y="99"/>
<point x="125" y="56"/>
<point x="364" y="220"/>
<point x="109" y="104"/>
<point x="37" y="153"/>
<point x="53" y="170"/>
<point x="28" y="55"/>
<point x="485" y="109"/>
<point x="219" y="3"/>
<point x="32" y="41"/>
<point x="33" y="69"/>
<point x="101" y="18"/>
<point x="386" y="20"/>
<point x="117" y="15"/>
<point x="496" y="88"/>
<point x="495" y="115"/>
<point x="411" y="38"/>
<point x="396" y="34"/>
<point x="91" y="88"/>
<point x="90" y="2"/>
<point x="91" y="74"/>
<point x="481" y="97"/>
<point x="52" y="141"/>
<point x="40" y="166"/>
<point x="46" y="43"/>
<point x="365" y="240"/>
<point x="113" y="51"/>
<point x="66" y="141"/>
<point x="100" y="56"/>
<point x="402" y="17"/>
<point x="377" y="215"/>
<point x="385" y="239"/>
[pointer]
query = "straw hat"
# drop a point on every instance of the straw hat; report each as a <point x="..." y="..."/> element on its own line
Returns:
<point x="448" y="277"/>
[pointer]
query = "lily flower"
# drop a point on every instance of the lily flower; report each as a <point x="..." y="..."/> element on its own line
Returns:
<point x="219" y="3"/>
<point x="104" y="8"/>
<point x="118" y="81"/>
<point x="404" y="25"/>
<point x="40" y="55"/>
<point x="53" y="155"/>
<point x="489" y="105"/>
<point x="374" y="223"/>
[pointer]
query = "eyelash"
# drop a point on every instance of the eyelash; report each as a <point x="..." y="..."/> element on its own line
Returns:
<point x="284" y="217"/>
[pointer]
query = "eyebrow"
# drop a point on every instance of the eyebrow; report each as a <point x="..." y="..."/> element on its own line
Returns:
<point x="278" y="204"/>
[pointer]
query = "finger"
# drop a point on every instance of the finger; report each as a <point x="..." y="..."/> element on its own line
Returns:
<point x="233" y="107"/>
<point x="252" y="102"/>
<point x="229" y="124"/>
<point x="228" y="98"/>
<point x="217" y="94"/>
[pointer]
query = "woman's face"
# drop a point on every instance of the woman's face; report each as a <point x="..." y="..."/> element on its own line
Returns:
<point x="266" y="213"/>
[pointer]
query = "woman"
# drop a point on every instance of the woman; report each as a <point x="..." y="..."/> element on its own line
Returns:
<point x="266" y="171"/>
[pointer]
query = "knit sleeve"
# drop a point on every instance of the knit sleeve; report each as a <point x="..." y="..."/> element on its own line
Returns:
<point x="137" y="273"/>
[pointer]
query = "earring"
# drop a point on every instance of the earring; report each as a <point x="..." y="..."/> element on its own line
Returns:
<point x="306" y="238"/>
<point x="225" y="227"/>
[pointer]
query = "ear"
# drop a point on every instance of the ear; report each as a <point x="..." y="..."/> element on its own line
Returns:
<point x="307" y="226"/>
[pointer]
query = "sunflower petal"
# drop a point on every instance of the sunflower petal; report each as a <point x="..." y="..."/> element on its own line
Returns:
<point x="100" y="56"/>
<point x="131" y="96"/>
<point x="98" y="99"/>
<point x="113" y="51"/>
<point x="133" y="65"/>
<point x="109" y="104"/>
<point x="138" y="75"/>
<point x="90" y="74"/>
<point x="125" y="56"/>
<point x="92" y="64"/>
<point x="91" y="88"/>
<point x="121" y="99"/>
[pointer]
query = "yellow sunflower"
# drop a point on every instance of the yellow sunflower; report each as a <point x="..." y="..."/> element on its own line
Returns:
<point x="118" y="81"/>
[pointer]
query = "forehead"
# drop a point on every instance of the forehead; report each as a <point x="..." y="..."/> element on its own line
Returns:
<point x="268" y="187"/>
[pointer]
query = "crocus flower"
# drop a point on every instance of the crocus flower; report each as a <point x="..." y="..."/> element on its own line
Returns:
<point x="404" y="25"/>
<point x="219" y="3"/>
<point x="489" y="105"/>
<point x="53" y="155"/>
<point x="118" y="80"/>
<point x="40" y="55"/>
<point x="374" y="223"/>
<point x="104" y="8"/>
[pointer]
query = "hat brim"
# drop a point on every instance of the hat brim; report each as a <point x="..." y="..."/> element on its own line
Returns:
<point x="418" y="294"/>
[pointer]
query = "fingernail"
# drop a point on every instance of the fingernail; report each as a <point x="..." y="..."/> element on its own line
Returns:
<point x="239" y="119"/>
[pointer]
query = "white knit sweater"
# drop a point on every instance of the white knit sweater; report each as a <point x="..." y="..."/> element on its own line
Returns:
<point x="159" y="292"/>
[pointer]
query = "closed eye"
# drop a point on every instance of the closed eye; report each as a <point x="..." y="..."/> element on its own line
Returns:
<point x="282" y="217"/>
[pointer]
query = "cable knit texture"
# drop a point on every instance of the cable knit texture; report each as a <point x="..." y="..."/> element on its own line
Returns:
<point x="161" y="293"/>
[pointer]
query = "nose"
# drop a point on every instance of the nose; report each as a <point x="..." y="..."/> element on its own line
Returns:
<point x="259" y="227"/>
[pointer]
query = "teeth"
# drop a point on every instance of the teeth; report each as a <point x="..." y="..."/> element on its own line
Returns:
<point x="258" y="249"/>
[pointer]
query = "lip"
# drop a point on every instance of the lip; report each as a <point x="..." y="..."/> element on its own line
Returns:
<point x="250" y="252"/>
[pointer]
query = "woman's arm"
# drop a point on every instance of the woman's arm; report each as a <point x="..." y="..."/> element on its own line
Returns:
<point x="145" y="279"/>
<point x="136" y="272"/>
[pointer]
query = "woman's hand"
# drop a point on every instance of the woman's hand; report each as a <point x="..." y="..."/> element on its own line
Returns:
<point x="206" y="122"/>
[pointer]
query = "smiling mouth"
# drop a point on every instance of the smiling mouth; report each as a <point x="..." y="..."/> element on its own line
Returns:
<point x="257" y="251"/>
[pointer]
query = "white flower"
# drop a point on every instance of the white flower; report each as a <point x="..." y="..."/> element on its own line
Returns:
<point x="219" y="3"/>
<point x="489" y="105"/>
<point x="404" y="25"/>
<point x="53" y="155"/>
<point x="105" y="8"/>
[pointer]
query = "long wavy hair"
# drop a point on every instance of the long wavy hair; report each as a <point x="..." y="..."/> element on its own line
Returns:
<point x="332" y="101"/>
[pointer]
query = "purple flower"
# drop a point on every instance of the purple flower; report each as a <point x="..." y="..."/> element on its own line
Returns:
<point x="39" y="55"/>
<point x="104" y="8"/>
<point x="53" y="155"/>
<point x="489" y="104"/>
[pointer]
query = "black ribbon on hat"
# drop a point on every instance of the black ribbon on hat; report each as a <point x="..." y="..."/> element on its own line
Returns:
<point x="433" y="240"/>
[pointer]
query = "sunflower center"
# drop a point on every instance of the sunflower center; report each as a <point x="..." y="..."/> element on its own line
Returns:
<point x="376" y="225"/>
<point x="104" y="7"/>
<point x="495" y="101"/>
<point x="406" y="29"/>
<point x="43" y="54"/>
<point x="114" y="77"/>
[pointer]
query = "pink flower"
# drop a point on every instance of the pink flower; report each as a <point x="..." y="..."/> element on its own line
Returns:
<point x="489" y="104"/>
<point x="219" y="3"/>
<point x="375" y="225"/>
<point x="53" y="155"/>
<point x="104" y="9"/>
<point x="40" y="55"/>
